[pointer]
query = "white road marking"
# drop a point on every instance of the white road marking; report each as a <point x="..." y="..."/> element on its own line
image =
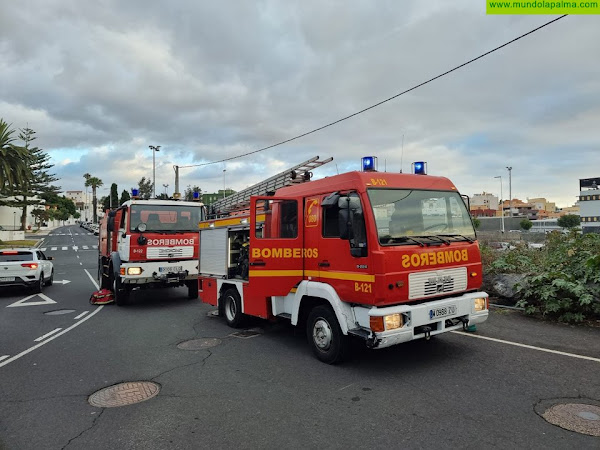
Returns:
<point x="85" y="247"/>
<point x="81" y="264"/>
<point x="53" y="248"/>
<point x="91" y="278"/>
<point x="517" y="344"/>
<point x="75" y="248"/>
<point x="81" y="315"/>
<point x="41" y="338"/>
<point x="62" y="281"/>
<point x="4" y="357"/>
<point x="29" y="350"/>
<point x="64" y="248"/>
<point x="94" y="246"/>
<point x="43" y="249"/>
<point x="23" y="302"/>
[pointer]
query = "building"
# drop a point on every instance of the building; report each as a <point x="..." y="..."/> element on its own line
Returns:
<point x="484" y="201"/>
<point x="542" y="205"/>
<point x="208" y="199"/>
<point x="589" y="204"/>
<point x="83" y="203"/>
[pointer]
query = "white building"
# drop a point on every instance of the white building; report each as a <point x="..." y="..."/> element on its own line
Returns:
<point x="484" y="201"/>
<point x="589" y="204"/>
<point x="83" y="203"/>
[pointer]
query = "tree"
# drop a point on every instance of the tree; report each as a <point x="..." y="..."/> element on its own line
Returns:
<point x="114" y="195"/>
<point x="41" y="215"/>
<point x="124" y="197"/>
<point x="189" y="192"/>
<point x="94" y="183"/>
<point x="526" y="224"/>
<point x="145" y="187"/>
<point x="569" y="221"/>
<point x="38" y="180"/>
<point x="13" y="161"/>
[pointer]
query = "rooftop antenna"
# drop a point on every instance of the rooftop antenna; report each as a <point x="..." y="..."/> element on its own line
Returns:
<point x="401" y="153"/>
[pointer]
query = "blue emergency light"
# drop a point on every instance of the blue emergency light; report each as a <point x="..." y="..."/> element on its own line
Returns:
<point x="369" y="164"/>
<point x="419" y="168"/>
<point x="135" y="192"/>
<point x="196" y="195"/>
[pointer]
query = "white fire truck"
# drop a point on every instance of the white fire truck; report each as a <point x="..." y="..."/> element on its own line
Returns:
<point x="147" y="244"/>
<point x="383" y="257"/>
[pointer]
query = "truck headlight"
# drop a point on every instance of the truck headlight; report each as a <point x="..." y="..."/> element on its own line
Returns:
<point x="481" y="304"/>
<point x="134" y="271"/>
<point x="393" y="321"/>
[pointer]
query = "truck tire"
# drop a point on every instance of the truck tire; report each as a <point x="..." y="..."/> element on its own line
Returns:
<point x="232" y="308"/>
<point x="325" y="336"/>
<point x="121" y="293"/>
<point x="192" y="289"/>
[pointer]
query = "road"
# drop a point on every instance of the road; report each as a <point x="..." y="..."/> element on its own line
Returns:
<point x="268" y="391"/>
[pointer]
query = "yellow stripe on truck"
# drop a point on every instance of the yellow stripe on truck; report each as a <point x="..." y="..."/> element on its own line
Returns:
<point x="346" y="276"/>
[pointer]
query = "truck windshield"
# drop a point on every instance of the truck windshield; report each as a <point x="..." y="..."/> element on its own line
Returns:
<point x="402" y="213"/>
<point x="165" y="218"/>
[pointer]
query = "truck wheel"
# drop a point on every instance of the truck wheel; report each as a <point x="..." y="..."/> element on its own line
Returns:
<point x="192" y="289"/>
<point x="121" y="293"/>
<point x="232" y="307"/>
<point x="105" y="282"/>
<point x="325" y="335"/>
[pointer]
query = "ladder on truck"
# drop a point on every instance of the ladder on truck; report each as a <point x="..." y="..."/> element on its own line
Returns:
<point x="240" y="200"/>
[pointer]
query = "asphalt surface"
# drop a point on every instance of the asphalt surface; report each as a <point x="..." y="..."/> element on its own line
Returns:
<point x="268" y="391"/>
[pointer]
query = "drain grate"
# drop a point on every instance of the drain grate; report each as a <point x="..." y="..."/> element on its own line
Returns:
<point x="58" y="312"/>
<point x="246" y="334"/>
<point x="578" y="417"/>
<point x="198" y="344"/>
<point x="124" y="394"/>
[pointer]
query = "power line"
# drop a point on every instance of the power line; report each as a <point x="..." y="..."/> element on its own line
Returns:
<point x="383" y="101"/>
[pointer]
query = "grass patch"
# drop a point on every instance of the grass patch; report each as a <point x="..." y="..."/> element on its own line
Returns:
<point x="25" y="243"/>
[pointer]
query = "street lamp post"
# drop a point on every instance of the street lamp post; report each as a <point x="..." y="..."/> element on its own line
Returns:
<point x="165" y="186"/>
<point x="14" y="220"/>
<point x="510" y="190"/>
<point x="502" y="206"/>
<point x="154" y="148"/>
<point x="224" y="170"/>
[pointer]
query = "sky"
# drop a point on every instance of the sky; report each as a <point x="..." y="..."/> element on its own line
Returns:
<point x="101" y="81"/>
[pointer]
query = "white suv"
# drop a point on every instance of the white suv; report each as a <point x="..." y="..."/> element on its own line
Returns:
<point x="26" y="267"/>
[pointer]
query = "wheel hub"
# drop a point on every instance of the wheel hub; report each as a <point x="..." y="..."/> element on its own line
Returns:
<point x="322" y="334"/>
<point x="230" y="308"/>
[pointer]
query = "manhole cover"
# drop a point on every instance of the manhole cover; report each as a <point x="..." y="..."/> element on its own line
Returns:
<point x="58" y="312"/>
<point x="246" y="334"/>
<point x="198" y="344"/>
<point x="124" y="394"/>
<point x="578" y="417"/>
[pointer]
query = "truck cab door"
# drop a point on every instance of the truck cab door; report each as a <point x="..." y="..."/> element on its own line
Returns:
<point x="276" y="255"/>
<point x="344" y="259"/>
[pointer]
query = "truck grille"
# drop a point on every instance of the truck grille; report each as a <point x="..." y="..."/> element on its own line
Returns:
<point x="436" y="282"/>
<point x="169" y="252"/>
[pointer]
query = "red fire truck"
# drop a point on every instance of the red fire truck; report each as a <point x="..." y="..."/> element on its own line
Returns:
<point x="384" y="257"/>
<point x="147" y="244"/>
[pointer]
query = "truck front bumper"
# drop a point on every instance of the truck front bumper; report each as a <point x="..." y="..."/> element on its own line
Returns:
<point x="160" y="273"/>
<point x="429" y="318"/>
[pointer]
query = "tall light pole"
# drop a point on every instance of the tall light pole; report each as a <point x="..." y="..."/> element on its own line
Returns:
<point x="224" y="182"/>
<point x="165" y="186"/>
<point x="502" y="206"/>
<point x="510" y="190"/>
<point x="154" y="148"/>
<point x="14" y="220"/>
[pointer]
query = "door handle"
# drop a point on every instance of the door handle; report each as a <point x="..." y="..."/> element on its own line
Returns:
<point x="324" y="264"/>
<point x="258" y="263"/>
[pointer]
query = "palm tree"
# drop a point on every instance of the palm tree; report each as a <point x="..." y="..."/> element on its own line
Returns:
<point x="14" y="170"/>
<point x="94" y="182"/>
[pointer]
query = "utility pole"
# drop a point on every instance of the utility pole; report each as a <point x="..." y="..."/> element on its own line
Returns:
<point x="510" y="189"/>
<point x="154" y="148"/>
<point x="224" y="183"/>
<point x="502" y="205"/>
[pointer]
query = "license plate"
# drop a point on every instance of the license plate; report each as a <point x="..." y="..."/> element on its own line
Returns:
<point x="7" y="278"/>
<point x="169" y="269"/>
<point x="442" y="311"/>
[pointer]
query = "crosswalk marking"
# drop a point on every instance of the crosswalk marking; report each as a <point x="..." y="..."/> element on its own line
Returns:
<point x="74" y="247"/>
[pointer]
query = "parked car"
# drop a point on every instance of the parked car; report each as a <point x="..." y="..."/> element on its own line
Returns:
<point x="501" y="245"/>
<point x="28" y="267"/>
